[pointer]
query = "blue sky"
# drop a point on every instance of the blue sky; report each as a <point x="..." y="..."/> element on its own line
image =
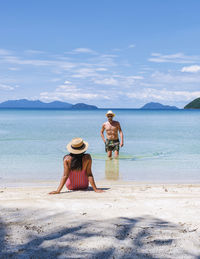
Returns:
<point x="110" y="53"/>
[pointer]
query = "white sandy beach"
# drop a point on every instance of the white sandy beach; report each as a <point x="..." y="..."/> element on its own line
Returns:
<point x="128" y="220"/>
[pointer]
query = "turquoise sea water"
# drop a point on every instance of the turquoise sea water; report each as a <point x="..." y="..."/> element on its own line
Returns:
<point x="160" y="146"/>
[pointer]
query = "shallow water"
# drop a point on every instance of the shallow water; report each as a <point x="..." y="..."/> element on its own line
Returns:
<point x="160" y="146"/>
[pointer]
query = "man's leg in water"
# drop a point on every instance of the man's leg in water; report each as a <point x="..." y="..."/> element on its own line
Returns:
<point x="109" y="153"/>
<point x="116" y="154"/>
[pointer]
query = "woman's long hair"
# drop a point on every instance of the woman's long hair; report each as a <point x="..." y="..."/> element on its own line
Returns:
<point x="76" y="162"/>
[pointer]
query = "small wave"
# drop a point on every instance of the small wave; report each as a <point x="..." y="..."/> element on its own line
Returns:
<point x="133" y="157"/>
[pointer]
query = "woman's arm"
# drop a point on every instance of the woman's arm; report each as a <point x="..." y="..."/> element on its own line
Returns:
<point x="90" y="175"/>
<point x="63" y="179"/>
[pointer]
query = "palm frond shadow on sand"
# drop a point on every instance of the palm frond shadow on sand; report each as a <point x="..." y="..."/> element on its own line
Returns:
<point x="117" y="238"/>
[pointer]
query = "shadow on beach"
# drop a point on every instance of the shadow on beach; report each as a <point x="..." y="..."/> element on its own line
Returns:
<point x="121" y="238"/>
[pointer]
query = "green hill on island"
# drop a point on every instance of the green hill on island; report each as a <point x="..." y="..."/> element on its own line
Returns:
<point x="195" y="104"/>
<point x="157" y="106"/>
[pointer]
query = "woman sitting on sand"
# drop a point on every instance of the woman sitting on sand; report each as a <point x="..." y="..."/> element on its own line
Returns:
<point x="77" y="168"/>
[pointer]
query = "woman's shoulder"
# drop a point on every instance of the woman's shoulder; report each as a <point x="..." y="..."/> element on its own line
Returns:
<point x="67" y="158"/>
<point x="87" y="156"/>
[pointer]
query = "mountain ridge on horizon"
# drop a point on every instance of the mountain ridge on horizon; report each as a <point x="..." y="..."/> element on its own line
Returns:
<point x="158" y="106"/>
<point x="37" y="104"/>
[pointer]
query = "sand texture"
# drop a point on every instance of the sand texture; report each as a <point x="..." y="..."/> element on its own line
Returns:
<point x="128" y="220"/>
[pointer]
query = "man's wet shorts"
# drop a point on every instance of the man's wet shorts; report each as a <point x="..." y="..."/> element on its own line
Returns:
<point x="112" y="145"/>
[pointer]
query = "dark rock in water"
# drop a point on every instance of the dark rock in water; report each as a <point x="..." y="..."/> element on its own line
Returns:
<point x="195" y="104"/>
<point x="158" y="106"/>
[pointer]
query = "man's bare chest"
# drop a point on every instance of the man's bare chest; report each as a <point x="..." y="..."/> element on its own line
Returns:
<point x="110" y="127"/>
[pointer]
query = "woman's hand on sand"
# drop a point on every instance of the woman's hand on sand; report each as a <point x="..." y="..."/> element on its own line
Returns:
<point x="54" y="192"/>
<point x="99" y="190"/>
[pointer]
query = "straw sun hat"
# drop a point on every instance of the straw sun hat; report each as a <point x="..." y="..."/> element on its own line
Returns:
<point x="110" y="113"/>
<point x="77" y="146"/>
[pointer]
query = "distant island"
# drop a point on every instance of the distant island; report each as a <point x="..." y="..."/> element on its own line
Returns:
<point x="27" y="104"/>
<point x="157" y="106"/>
<point x="195" y="104"/>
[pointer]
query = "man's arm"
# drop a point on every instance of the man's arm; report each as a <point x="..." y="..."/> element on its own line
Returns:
<point x="102" y="133"/>
<point x="121" y="135"/>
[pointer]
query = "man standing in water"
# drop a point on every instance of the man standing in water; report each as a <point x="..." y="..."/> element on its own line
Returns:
<point x="112" y="142"/>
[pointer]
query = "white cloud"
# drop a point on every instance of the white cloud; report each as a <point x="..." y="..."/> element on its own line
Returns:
<point x="67" y="95"/>
<point x="60" y="65"/>
<point x="105" y="60"/>
<point x="6" y="87"/>
<point x="33" y="51"/>
<point x="163" y="95"/>
<point x="84" y="73"/>
<point x="67" y="82"/>
<point x="178" y="58"/>
<point x="131" y="46"/>
<point x="54" y="79"/>
<point x="109" y="56"/>
<point x="135" y="77"/>
<point x="117" y="80"/>
<point x="14" y="68"/>
<point x="4" y="52"/>
<point x="84" y="50"/>
<point x="101" y="69"/>
<point x="38" y="62"/>
<point x="191" y="69"/>
<point x="67" y="88"/>
<point x="174" y="78"/>
<point x="71" y="92"/>
<point x="106" y="81"/>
